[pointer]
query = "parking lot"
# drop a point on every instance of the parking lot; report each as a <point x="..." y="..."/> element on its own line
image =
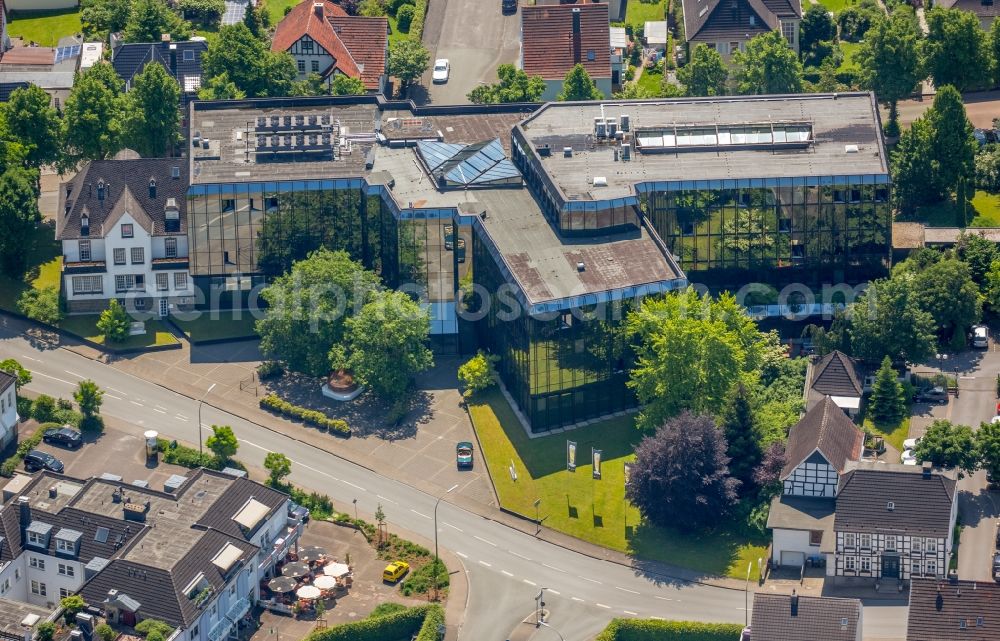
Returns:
<point x="476" y="37"/>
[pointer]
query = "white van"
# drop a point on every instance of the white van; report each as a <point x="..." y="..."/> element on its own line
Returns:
<point x="980" y="336"/>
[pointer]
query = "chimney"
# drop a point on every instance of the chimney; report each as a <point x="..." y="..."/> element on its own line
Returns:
<point x="152" y="187"/>
<point x="165" y="38"/>
<point x="926" y="467"/>
<point x="100" y="189"/>
<point x="576" y="35"/>
<point x="24" y="508"/>
<point x="318" y="9"/>
<point x="794" y="600"/>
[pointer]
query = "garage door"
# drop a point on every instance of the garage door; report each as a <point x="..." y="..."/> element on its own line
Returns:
<point x="793" y="559"/>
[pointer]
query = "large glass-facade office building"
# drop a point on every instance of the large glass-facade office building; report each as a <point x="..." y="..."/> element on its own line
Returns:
<point x="562" y="217"/>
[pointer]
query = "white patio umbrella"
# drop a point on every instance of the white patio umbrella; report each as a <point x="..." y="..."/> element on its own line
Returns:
<point x="336" y="570"/>
<point x="324" y="582"/>
<point x="308" y="592"/>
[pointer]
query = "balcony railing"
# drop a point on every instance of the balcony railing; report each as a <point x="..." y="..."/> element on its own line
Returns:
<point x="281" y="549"/>
<point x="220" y="630"/>
<point x="238" y="610"/>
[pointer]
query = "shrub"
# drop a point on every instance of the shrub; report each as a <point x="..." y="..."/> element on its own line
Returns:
<point x="422" y="621"/>
<point x="421" y="580"/>
<point x="106" y="632"/>
<point x="207" y="12"/>
<point x="404" y="17"/>
<point x="9" y="466"/>
<point x="41" y="305"/>
<point x="417" y="25"/>
<point x="114" y="322"/>
<point x="656" y="630"/>
<point x="278" y="405"/>
<point x="45" y="631"/>
<point x="383" y="609"/>
<point x="43" y="408"/>
<point x="24" y="407"/>
<point x="270" y="369"/>
<point x="67" y="417"/>
<point x="396" y="5"/>
<point x="64" y="404"/>
<point x="71" y="605"/>
<point x="477" y="374"/>
<point x="178" y="454"/>
<point x="147" y="627"/>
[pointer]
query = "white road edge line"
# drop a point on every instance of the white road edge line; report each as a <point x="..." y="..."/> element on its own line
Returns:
<point x="479" y="538"/>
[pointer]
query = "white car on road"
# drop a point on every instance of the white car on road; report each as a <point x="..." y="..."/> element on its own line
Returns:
<point x="442" y="68"/>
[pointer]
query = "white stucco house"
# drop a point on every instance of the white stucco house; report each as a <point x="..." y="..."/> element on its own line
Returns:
<point x="8" y="409"/>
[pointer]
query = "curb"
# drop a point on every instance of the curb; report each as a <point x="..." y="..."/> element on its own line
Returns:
<point x="64" y="334"/>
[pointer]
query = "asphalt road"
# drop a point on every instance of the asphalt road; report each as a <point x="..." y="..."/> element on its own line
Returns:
<point x="506" y="567"/>
<point x="476" y="37"/>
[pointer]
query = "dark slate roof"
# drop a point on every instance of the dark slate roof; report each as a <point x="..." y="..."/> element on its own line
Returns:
<point x="128" y="179"/>
<point x="810" y="619"/>
<point x="921" y="506"/>
<point x="6" y="380"/>
<point x="160" y="592"/>
<point x="220" y="517"/>
<point x="10" y="529"/>
<point x="825" y="428"/>
<point x="87" y="524"/>
<point x="985" y="12"/>
<point x="7" y="88"/>
<point x="131" y="58"/>
<point x="939" y="609"/>
<point x="714" y="20"/>
<point x="836" y="375"/>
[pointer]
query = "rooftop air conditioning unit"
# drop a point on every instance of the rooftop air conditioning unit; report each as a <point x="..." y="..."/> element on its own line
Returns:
<point x="567" y="152"/>
<point x="850" y="149"/>
<point x="625" y="121"/>
<point x="612" y="127"/>
<point x="600" y="128"/>
<point x="626" y="152"/>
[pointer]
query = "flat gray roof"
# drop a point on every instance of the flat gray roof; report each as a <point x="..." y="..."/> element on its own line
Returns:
<point x="837" y="120"/>
<point x="232" y="133"/>
<point x="12" y="613"/>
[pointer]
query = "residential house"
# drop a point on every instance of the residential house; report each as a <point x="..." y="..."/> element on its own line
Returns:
<point x="8" y="410"/>
<point x="40" y="5"/>
<point x="182" y="60"/>
<point x="953" y="610"/>
<point x="727" y="25"/>
<point x="616" y="8"/>
<point x="985" y="10"/>
<point x="324" y="40"/>
<point x="819" y="448"/>
<point x="192" y="554"/>
<point x="555" y="38"/>
<point x="790" y="617"/>
<point x="655" y="35"/>
<point x="893" y="522"/>
<point x="123" y="228"/>
<point x="619" y="54"/>
<point x="836" y="376"/>
<point x="50" y="68"/>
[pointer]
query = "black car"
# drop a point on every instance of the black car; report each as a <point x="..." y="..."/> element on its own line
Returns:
<point x="936" y="394"/>
<point x="38" y="460"/>
<point x="65" y="436"/>
<point x="508" y="6"/>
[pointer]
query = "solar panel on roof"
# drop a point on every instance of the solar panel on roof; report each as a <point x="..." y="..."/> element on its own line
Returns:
<point x="63" y="53"/>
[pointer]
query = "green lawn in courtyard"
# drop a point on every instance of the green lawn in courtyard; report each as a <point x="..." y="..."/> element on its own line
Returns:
<point x="208" y="326"/>
<point x="85" y="326"/>
<point x="44" y="268"/>
<point x="894" y="434"/>
<point x="849" y="49"/>
<point x="652" y="81"/>
<point x="987" y="208"/>
<point x="592" y="510"/>
<point x="639" y="12"/>
<point x="836" y="6"/>
<point x="276" y="9"/>
<point x="983" y="211"/>
<point x="44" y="27"/>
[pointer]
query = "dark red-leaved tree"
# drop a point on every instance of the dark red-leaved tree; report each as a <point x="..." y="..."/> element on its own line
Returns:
<point x="680" y="477"/>
<point x="767" y="475"/>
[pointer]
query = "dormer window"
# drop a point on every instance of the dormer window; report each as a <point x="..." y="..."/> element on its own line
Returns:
<point x="101" y="187"/>
<point x="34" y="538"/>
<point x="66" y="547"/>
<point x="85" y="225"/>
<point x="152" y="188"/>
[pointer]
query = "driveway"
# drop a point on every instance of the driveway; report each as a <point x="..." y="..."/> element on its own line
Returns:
<point x="476" y="37"/>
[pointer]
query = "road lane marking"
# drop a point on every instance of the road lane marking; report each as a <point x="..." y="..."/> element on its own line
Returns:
<point x="117" y="398"/>
<point x="529" y="582"/>
<point x="463" y="555"/>
<point x="552" y="567"/>
<point x="455" y="527"/>
<point x="520" y="556"/>
<point x="489" y="565"/>
<point x="387" y="499"/>
<point x="417" y="513"/>
<point x="555" y="591"/>
<point x="181" y="416"/>
<point x="356" y="487"/>
<point x="618" y="587"/>
<point x="635" y="614"/>
<point x="30" y="358"/>
<point x="576" y="598"/>
<point x="662" y="598"/>
<point x="155" y="409"/>
<point x="484" y="540"/>
<point x="184" y="420"/>
<point x="136" y="403"/>
<point x="589" y="579"/>
<point x="506" y="572"/>
<point x="601" y="605"/>
<point x="53" y="378"/>
<point x="74" y="374"/>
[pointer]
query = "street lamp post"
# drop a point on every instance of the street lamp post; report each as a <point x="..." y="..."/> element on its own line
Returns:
<point x="201" y="401"/>
<point x="539" y="604"/>
<point x="355" y="509"/>
<point x="436" y="504"/>
<point x="746" y="597"/>
<point x="538" y="521"/>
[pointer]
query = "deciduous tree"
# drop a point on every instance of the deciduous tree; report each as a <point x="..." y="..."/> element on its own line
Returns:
<point x="152" y="118"/>
<point x="514" y="86"/>
<point x="914" y="175"/>
<point x="957" y="50"/>
<point x="890" y="62"/>
<point x="386" y="344"/>
<point x="817" y="26"/>
<point x="114" y="322"/>
<point x="222" y="442"/>
<point x="680" y="477"/>
<point x="18" y="217"/>
<point x="477" y="374"/>
<point x="89" y="397"/>
<point x="92" y="119"/>
<point x="408" y="60"/>
<point x="988" y="448"/>
<point x="887" y="320"/>
<point x="41" y="305"/>
<point x="947" y="445"/>
<point x="101" y="17"/>
<point x="11" y="366"/>
<point x="947" y="292"/>
<point x="978" y="253"/>
<point x="278" y="467"/>
<point x="767" y="475"/>
<point x="34" y="125"/>
<point x="346" y="86"/>
<point x="705" y="74"/>
<point x="577" y="85"/>
<point x="220" y="88"/>
<point x="953" y="145"/>
<point x="148" y="20"/>
<point x="249" y="63"/>
<point x="767" y="66"/>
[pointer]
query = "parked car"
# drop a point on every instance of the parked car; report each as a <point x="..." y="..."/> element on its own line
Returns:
<point x="38" y="460"/>
<point x="395" y="571"/>
<point x="297" y="513"/>
<point x="907" y="458"/>
<point x="442" y="69"/>
<point x="980" y="337"/>
<point x="936" y="394"/>
<point x="65" y="436"/>
<point x="508" y="6"/>
<point x="911" y="443"/>
<point x="463" y="455"/>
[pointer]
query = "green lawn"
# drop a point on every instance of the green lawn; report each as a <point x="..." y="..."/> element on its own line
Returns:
<point x="983" y="211"/>
<point x="835" y="6"/>
<point x="894" y="434"/>
<point x="44" y="268"/>
<point x="276" y="9"/>
<point x="639" y="12"/>
<point x="850" y="49"/>
<point x="596" y="511"/>
<point x="652" y="81"/>
<point x="85" y="326"/>
<point x="44" y="27"/>
<point x="225" y="325"/>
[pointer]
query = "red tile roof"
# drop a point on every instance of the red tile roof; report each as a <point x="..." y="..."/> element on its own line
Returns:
<point x="356" y="43"/>
<point x="29" y="56"/>
<point x="550" y="48"/>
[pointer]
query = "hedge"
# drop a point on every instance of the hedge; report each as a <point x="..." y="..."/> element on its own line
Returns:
<point x="422" y="620"/>
<point x="417" y="24"/>
<point x="278" y="405"/>
<point x="177" y="454"/>
<point x="656" y="630"/>
<point x="10" y="465"/>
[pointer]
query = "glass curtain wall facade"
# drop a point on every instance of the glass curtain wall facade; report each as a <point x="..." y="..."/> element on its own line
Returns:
<point x="791" y="232"/>
<point x="559" y="368"/>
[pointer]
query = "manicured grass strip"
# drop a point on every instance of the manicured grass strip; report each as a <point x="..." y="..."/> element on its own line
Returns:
<point x="44" y="27"/>
<point x="45" y="268"/>
<point x="85" y="326"/>
<point x="208" y="326"/>
<point x="593" y="510"/>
